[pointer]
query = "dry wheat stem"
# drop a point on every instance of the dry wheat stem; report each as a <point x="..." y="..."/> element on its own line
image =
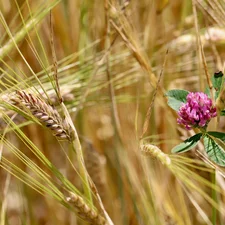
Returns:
<point x="44" y="112"/>
<point x="84" y="211"/>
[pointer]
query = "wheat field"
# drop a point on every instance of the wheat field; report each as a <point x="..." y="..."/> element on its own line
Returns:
<point x="86" y="131"/>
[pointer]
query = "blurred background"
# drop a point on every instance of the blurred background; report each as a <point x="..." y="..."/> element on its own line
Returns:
<point x="110" y="54"/>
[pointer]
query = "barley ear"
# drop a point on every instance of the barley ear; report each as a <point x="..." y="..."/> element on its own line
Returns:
<point x="43" y="112"/>
<point x="154" y="151"/>
<point x="84" y="211"/>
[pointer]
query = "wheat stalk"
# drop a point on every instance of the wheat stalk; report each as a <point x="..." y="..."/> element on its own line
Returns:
<point x="45" y="113"/>
<point x="84" y="211"/>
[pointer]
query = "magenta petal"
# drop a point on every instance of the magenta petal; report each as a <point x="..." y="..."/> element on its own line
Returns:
<point x="197" y="111"/>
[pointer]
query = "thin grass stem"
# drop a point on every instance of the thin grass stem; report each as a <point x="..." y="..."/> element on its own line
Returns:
<point x="76" y="146"/>
<point x="214" y="197"/>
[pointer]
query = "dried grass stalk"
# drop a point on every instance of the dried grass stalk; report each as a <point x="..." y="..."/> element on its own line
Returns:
<point x="44" y="112"/>
<point x="84" y="211"/>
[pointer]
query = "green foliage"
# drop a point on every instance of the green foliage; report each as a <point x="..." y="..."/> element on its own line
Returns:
<point x="218" y="135"/>
<point x="188" y="144"/>
<point x="214" y="143"/>
<point x="176" y="98"/>
<point x="214" y="146"/>
<point x="217" y="81"/>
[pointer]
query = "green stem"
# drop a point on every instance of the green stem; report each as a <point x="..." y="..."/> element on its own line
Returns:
<point x="203" y="129"/>
<point x="214" y="197"/>
<point x="76" y="146"/>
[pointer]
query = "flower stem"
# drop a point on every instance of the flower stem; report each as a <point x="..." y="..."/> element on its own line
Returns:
<point x="214" y="197"/>
<point x="203" y="129"/>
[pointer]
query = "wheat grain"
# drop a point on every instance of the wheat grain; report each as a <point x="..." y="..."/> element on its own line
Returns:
<point x="84" y="211"/>
<point x="45" y="113"/>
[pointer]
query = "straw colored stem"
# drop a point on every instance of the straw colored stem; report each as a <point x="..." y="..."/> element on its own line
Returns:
<point x="214" y="197"/>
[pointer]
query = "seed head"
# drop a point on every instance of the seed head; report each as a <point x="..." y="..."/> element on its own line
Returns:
<point x="44" y="112"/>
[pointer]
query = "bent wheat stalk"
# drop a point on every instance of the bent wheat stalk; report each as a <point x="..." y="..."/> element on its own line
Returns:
<point x="50" y="118"/>
<point x="62" y="129"/>
<point x="88" y="184"/>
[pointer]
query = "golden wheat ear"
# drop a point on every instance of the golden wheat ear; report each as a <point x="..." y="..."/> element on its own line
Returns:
<point x="43" y="112"/>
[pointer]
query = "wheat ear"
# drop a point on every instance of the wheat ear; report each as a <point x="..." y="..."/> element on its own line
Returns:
<point x="154" y="151"/>
<point x="44" y="112"/>
<point x="84" y="211"/>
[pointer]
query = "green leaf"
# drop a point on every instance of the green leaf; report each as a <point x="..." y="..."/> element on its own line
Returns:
<point x="215" y="147"/>
<point x="222" y="113"/>
<point x="218" y="135"/>
<point x="176" y="98"/>
<point x="217" y="81"/>
<point x="188" y="144"/>
<point x="207" y="92"/>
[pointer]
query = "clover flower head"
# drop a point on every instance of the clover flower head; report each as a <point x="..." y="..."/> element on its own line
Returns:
<point x="197" y="111"/>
